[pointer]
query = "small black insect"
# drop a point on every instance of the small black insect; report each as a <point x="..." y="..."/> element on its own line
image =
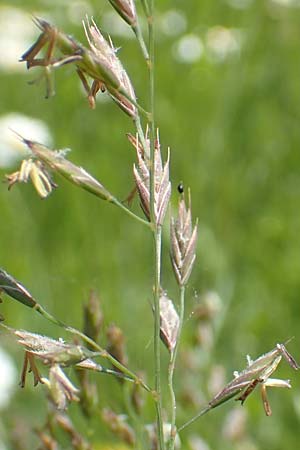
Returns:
<point x="180" y="188"/>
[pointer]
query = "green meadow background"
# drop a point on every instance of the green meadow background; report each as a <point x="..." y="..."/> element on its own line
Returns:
<point x="233" y="125"/>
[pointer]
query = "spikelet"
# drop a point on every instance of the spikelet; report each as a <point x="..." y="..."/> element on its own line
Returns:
<point x="183" y="242"/>
<point x="162" y="190"/>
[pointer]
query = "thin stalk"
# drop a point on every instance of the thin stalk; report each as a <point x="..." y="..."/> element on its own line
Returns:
<point x="139" y="36"/>
<point x="172" y="369"/>
<point x="145" y="7"/>
<point x="135" y="103"/>
<point x="157" y="239"/>
<point x="103" y="353"/>
<point x="141" y="135"/>
<point x="98" y="368"/>
<point x="193" y="419"/>
<point x="151" y="74"/>
<point x="156" y="231"/>
<point x="129" y="212"/>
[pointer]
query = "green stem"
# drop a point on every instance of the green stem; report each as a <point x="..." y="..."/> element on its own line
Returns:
<point x="157" y="239"/>
<point x="129" y="212"/>
<point x="157" y="231"/>
<point x="152" y="110"/>
<point x="193" y="419"/>
<point x="172" y="369"/>
<point x="141" y="136"/>
<point x="103" y="353"/>
<point x="135" y="103"/>
<point x="145" y="7"/>
<point x="139" y="36"/>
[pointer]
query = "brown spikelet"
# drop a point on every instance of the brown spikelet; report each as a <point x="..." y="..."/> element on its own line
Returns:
<point x="162" y="190"/>
<point x="169" y="322"/>
<point x="126" y="9"/>
<point x="116" y="344"/>
<point x="117" y="424"/>
<point x="93" y="317"/>
<point x="183" y="242"/>
<point x="60" y="388"/>
<point x="121" y="89"/>
<point x="99" y="62"/>
<point x="77" y="440"/>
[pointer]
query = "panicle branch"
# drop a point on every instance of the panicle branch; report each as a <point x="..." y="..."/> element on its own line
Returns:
<point x="100" y="62"/>
<point x="257" y="373"/>
<point x="56" y="161"/>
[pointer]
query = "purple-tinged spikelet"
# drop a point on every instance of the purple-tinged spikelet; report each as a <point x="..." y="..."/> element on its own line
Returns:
<point x="183" y="242"/>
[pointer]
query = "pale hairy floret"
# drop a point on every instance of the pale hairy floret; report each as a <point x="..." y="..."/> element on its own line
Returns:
<point x="36" y="171"/>
<point x="126" y="9"/>
<point x="169" y="322"/>
<point x="52" y="351"/>
<point x="183" y="242"/>
<point x="162" y="184"/>
<point x="61" y="388"/>
<point x="105" y="52"/>
<point x="99" y="62"/>
<point x="257" y="373"/>
<point x="57" y="162"/>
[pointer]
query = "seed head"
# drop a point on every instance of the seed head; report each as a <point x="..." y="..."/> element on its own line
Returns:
<point x="99" y="62"/>
<point x="77" y="440"/>
<point x="52" y="351"/>
<point x="117" y="424"/>
<point x="162" y="188"/>
<point x="169" y="322"/>
<point x="183" y="242"/>
<point x="37" y="172"/>
<point x="56" y="161"/>
<point x="15" y="289"/>
<point x="61" y="389"/>
<point x="257" y="373"/>
<point x="119" y="87"/>
<point x="93" y="316"/>
<point x="116" y="344"/>
<point x="126" y="9"/>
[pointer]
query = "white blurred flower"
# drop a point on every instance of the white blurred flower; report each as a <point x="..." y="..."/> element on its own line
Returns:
<point x="61" y="388"/>
<point x="197" y="443"/>
<point x="221" y="42"/>
<point x="11" y="147"/>
<point x="188" y="49"/>
<point x="16" y="34"/>
<point x="172" y="22"/>
<point x="216" y="379"/>
<point x="287" y="2"/>
<point x="234" y="427"/>
<point x="8" y="378"/>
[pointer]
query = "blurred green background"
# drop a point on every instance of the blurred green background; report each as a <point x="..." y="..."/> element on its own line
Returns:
<point x="228" y="105"/>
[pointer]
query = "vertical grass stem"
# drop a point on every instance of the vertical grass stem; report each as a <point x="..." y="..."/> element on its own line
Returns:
<point x="157" y="229"/>
<point x="171" y="370"/>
